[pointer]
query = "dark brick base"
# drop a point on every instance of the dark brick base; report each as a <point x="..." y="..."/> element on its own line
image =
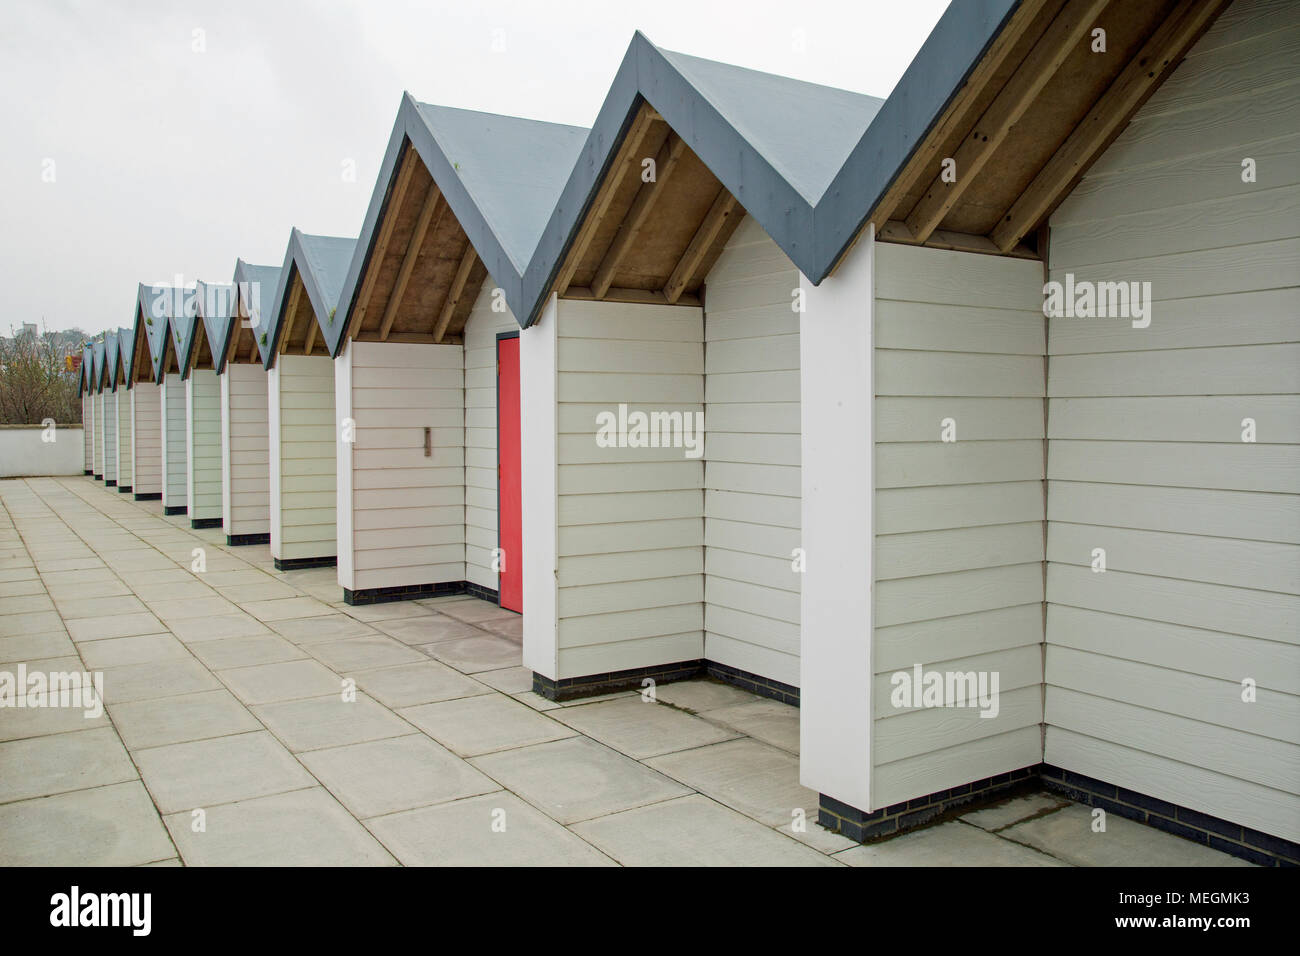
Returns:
<point x="1231" y="838"/>
<point x="407" y="592"/>
<point x="762" y="686"/>
<point x="237" y="540"/>
<point x="298" y="564"/>
<point x="174" y="509"/>
<point x="110" y="483"/>
<point x="99" y="477"/>
<point x="123" y="489"/>
<point x="148" y="496"/>
<point x="89" y="472"/>
<point x="482" y="593"/>
<point x="571" y="688"/>
<point x="205" y="522"/>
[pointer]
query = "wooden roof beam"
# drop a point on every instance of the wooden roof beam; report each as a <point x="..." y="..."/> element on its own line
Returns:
<point x="636" y="135"/>
<point x="312" y="329"/>
<point x="457" y="289"/>
<point x="433" y="202"/>
<point x="724" y="204"/>
<point x="1062" y="38"/>
<point x="400" y="187"/>
<point x="1158" y="56"/>
<point x="669" y="155"/>
<point x="294" y="295"/>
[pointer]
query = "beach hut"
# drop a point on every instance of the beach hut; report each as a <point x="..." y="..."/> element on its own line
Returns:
<point x="427" y="366"/>
<point x="148" y="342"/>
<point x="300" y="400"/>
<point x="87" y="406"/>
<point x="97" y="407"/>
<point x="125" y="417"/>
<point x="202" y="411"/>
<point x="233" y="330"/>
<point x="108" y="396"/>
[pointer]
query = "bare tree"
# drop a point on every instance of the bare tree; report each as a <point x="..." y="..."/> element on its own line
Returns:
<point x="38" y="376"/>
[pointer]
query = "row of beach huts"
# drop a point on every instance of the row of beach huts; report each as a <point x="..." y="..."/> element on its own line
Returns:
<point x="999" y="380"/>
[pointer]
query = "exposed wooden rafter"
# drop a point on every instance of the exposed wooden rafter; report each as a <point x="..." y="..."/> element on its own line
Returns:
<point x="294" y="295"/>
<point x="433" y="203"/>
<point x="1062" y="38"/>
<point x="724" y="205"/>
<point x="1160" y="54"/>
<point x="376" y="260"/>
<point x="649" y="193"/>
<point x="457" y="289"/>
<point x="634" y="296"/>
<point x="636" y="135"/>
<point x="897" y="231"/>
<point x="312" y="329"/>
<point x="955" y="114"/>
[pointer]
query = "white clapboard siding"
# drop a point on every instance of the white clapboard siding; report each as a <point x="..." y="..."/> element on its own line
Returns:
<point x="88" y="429"/>
<point x="401" y="514"/>
<point x="175" y="465"/>
<point x="302" y="434"/>
<point x="125" y="439"/>
<point x="97" y="410"/>
<point x="751" y="472"/>
<point x="1147" y="467"/>
<point x="203" y="444"/>
<point x="481" y="526"/>
<point x="146" y="433"/>
<point x="110" y="436"/>
<point x="630" y="522"/>
<point x="245" y="451"/>
<point x="959" y="524"/>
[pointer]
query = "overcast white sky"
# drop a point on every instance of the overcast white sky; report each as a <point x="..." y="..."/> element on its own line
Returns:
<point x="173" y="152"/>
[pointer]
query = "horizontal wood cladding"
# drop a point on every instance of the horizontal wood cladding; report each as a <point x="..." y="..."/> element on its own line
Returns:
<point x="1200" y="529"/>
<point x="959" y="346"/>
<point x="307" y="459"/>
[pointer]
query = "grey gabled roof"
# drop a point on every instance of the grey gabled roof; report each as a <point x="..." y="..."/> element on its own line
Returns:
<point x="808" y="162"/>
<point x="323" y="262"/>
<point x="255" y="288"/>
<point x="184" y="325"/>
<point x="215" y="302"/>
<point x="126" y="354"/>
<point x="87" y="367"/>
<point x="97" y="367"/>
<point x="110" y="361"/>
<point x="500" y="175"/>
<point x="153" y="306"/>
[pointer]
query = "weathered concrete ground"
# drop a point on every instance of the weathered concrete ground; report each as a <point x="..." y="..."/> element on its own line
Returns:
<point x="227" y="739"/>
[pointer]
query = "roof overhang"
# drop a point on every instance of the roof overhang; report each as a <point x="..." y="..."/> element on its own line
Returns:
<point x="305" y="304"/>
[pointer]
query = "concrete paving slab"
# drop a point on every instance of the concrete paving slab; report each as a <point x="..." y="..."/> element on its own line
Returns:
<point x="387" y="611"/>
<point x="221" y="627"/>
<point x="114" y="825"/>
<point x="326" y="628"/>
<point x="206" y="773"/>
<point x="508" y="680"/>
<point x="702" y="694"/>
<point x="767" y="720"/>
<point x="364" y="653"/>
<point x="82" y="606"/>
<point x="477" y="611"/>
<point x="948" y="844"/>
<point x="165" y="678"/>
<point x="25" y="603"/>
<point x="26" y="647"/>
<point x="288" y="680"/>
<point x="577" y="779"/>
<point x="179" y="609"/>
<point x="329" y="721"/>
<point x="409" y="684"/>
<point x="1014" y="810"/>
<point x="474" y="654"/>
<point x="302" y="828"/>
<point x="641" y="728"/>
<point x="1068" y="835"/>
<point x="398" y="773"/>
<point x="117" y="625"/>
<point x="116" y="651"/>
<point x="428" y="629"/>
<point x="33" y="622"/>
<point x="58" y="763"/>
<point x="470" y="726"/>
<point x="693" y="831"/>
<point x="246" y="651"/>
<point x="283" y="609"/>
<point x="172" y="720"/>
<point x="498" y="829"/>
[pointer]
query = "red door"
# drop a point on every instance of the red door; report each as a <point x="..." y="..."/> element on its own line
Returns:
<point x="509" y="477"/>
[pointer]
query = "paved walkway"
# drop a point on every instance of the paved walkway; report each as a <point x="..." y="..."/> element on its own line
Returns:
<point x="229" y="736"/>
